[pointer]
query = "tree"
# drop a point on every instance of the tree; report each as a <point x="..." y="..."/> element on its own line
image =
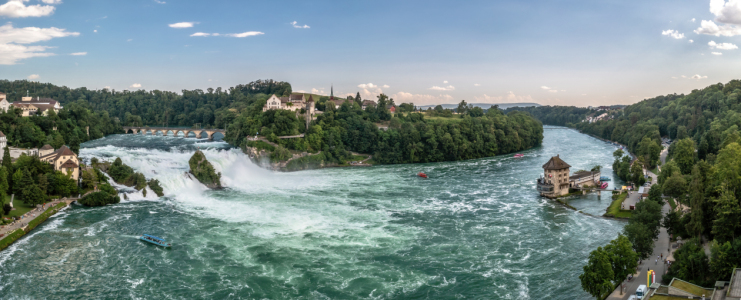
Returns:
<point x="33" y="195"/>
<point x="624" y="260"/>
<point x="597" y="274"/>
<point x="697" y="199"/>
<point x="17" y="182"/>
<point x="675" y="186"/>
<point x="690" y="264"/>
<point x="462" y="107"/>
<point x="654" y="194"/>
<point x="4" y="187"/>
<point x="648" y="213"/>
<point x="725" y="257"/>
<point x="640" y="236"/>
<point x="673" y="223"/>
<point x="728" y="217"/>
<point x="636" y="173"/>
<point x="358" y="100"/>
<point x="8" y="165"/>
<point x="684" y="155"/>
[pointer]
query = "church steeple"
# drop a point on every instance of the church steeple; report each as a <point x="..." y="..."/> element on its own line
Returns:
<point x="331" y="92"/>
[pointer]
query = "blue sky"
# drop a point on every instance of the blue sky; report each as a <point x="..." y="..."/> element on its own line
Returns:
<point x="427" y="52"/>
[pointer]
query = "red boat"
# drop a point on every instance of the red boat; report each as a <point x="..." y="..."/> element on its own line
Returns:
<point x="423" y="175"/>
<point x="518" y="155"/>
<point x="604" y="185"/>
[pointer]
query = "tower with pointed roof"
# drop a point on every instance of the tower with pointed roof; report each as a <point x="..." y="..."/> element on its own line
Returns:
<point x="555" y="181"/>
<point x="331" y="92"/>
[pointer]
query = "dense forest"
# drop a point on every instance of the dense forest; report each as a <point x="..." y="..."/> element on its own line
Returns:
<point x="702" y="178"/>
<point x="409" y="138"/>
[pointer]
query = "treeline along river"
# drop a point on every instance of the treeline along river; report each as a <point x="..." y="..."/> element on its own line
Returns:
<point x="474" y="229"/>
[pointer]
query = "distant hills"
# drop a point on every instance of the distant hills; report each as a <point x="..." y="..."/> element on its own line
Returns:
<point x="485" y="105"/>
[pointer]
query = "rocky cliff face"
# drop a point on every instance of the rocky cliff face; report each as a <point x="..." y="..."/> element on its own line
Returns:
<point x="202" y="169"/>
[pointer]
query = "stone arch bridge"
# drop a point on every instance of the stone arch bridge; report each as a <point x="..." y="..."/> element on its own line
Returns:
<point x="176" y="131"/>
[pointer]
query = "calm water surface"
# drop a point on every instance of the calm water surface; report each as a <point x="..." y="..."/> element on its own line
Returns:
<point x="474" y="229"/>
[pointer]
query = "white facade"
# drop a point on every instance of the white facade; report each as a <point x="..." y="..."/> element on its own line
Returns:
<point x="4" y="104"/>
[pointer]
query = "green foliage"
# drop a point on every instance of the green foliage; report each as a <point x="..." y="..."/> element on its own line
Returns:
<point x="280" y="154"/>
<point x="641" y="237"/>
<point x="684" y="155"/>
<point x="108" y="189"/>
<point x="598" y="274"/>
<point x="260" y="145"/>
<point x="99" y="199"/>
<point x="622" y="258"/>
<point x="10" y="238"/>
<point x="123" y="174"/>
<point x="154" y="184"/>
<point x="675" y="186"/>
<point x="728" y="217"/>
<point x="202" y="169"/>
<point x="556" y="115"/>
<point x="690" y="264"/>
<point x="725" y="257"/>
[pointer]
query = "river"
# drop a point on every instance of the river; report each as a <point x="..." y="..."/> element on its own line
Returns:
<point x="474" y="229"/>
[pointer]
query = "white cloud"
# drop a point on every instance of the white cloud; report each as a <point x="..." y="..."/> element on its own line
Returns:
<point x="693" y="20"/>
<point x="722" y="46"/>
<point x="318" y="91"/>
<point x="553" y="91"/>
<point x="443" y="88"/>
<point x="182" y="25"/>
<point x="691" y="41"/>
<point x="12" y="39"/>
<point x="509" y="98"/>
<point x="295" y="25"/>
<point x="476" y="84"/>
<point x="129" y="40"/>
<point x="106" y="87"/>
<point x="726" y="12"/>
<point x="159" y="2"/>
<point x="716" y="53"/>
<point x="79" y="53"/>
<point x="446" y="82"/>
<point x="52" y="1"/>
<point x="244" y="34"/>
<point x="545" y="87"/>
<point x="698" y="77"/>
<point x="385" y="86"/>
<point x="33" y="76"/>
<point x="710" y="28"/>
<point x="16" y="9"/>
<point x="673" y="33"/>
<point x="136" y="85"/>
<point x="367" y="86"/>
<point x="237" y="35"/>
<point x="96" y="31"/>
<point x="421" y="99"/>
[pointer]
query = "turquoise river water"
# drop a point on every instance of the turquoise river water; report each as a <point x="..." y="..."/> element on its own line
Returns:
<point x="475" y="229"/>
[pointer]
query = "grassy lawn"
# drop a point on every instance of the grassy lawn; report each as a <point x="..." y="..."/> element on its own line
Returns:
<point x="655" y="170"/>
<point x="614" y="209"/>
<point x="20" y="207"/>
<point x="690" y="288"/>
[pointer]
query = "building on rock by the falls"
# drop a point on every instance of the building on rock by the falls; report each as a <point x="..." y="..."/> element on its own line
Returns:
<point x="555" y="180"/>
<point x="64" y="160"/>
<point x="294" y="102"/>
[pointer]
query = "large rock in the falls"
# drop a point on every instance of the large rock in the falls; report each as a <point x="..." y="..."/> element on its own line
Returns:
<point x="204" y="171"/>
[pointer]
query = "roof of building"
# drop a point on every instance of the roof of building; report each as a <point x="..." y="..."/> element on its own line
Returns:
<point x="311" y="99"/>
<point x="297" y="97"/>
<point x="556" y="163"/>
<point x="2" y="134"/>
<point x="47" y="147"/>
<point x="369" y="102"/>
<point x="581" y="174"/>
<point x="283" y="99"/>
<point x="62" y="151"/>
<point x="69" y="164"/>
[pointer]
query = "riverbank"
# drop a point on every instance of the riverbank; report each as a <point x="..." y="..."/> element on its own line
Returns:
<point x="29" y="221"/>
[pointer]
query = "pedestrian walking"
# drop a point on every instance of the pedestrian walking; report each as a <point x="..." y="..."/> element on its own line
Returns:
<point x="656" y="261"/>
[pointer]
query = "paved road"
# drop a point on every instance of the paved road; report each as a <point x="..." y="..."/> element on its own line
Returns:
<point x="661" y="246"/>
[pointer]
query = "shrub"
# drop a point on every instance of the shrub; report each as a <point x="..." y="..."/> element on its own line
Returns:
<point x="99" y="199"/>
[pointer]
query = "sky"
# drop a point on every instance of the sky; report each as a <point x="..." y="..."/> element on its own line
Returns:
<point x="426" y="52"/>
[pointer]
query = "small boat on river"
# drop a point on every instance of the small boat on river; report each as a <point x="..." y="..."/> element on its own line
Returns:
<point x="423" y="175"/>
<point x="604" y="185"/>
<point x="519" y="155"/>
<point x="604" y="178"/>
<point x="154" y="240"/>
